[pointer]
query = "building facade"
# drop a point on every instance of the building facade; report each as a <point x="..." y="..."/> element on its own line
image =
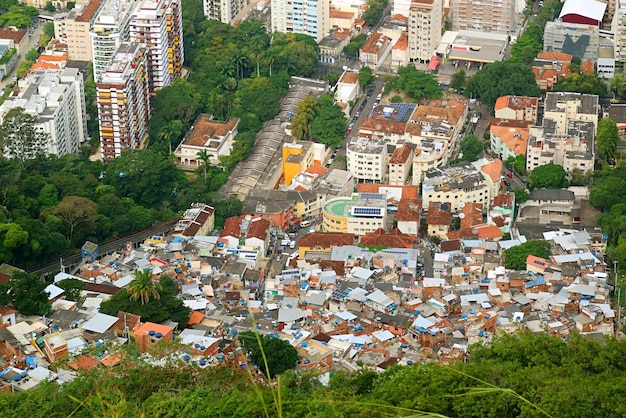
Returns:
<point x="486" y="15"/>
<point x="57" y="99"/>
<point x="159" y="25"/>
<point x="424" y="28"/>
<point x="109" y="29"/>
<point x="367" y="159"/>
<point x="73" y="28"/>
<point x="309" y="17"/>
<point x="225" y="10"/>
<point x="123" y="100"/>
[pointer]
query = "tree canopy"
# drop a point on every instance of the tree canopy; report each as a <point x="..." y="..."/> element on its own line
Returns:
<point x="607" y="139"/>
<point x="527" y="46"/>
<point x="586" y="83"/>
<point x="272" y="355"/>
<point x="502" y="78"/>
<point x="26" y="293"/>
<point x="329" y="123"/>
<point x="471" y="148"/>
<point x="549" y="176"/>
<point x="167" y="306"/>
<point x="515" y="257"/>
<point x="416" y="84"/>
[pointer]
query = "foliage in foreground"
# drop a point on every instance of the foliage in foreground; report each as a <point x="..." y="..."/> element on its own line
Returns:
<point x="520" y="376"/>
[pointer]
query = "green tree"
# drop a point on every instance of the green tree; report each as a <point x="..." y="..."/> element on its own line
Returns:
<point x="458" y="81"/>
<point x="515" y="257"/>
<point x="355" y="44"/>
<point x="204" y="157"/>
<point x="74" y="211"/>
<point x="23" y="68"/>
<point x="517" y="163"/>
<point x="416" y="84"/>
<point x="13" y="237"/>
<point x="502" y="79"/>
<point x="44" y="40"/>
<point x="271" y="354"/>
<point x="19" y="136"/>
<point x="607" y="139"/>
<point x="329" y="123"/>
<point x="72" y="288"/>
<point x="20" y="17"/>
<point x="471" y="147"/>
<point x="171" y="132"/>
<point x="167" y="306"/>
<point x="301" y="121"/>
<point x="549" y="176"/>
<point x="521" y="195"/>
<point x="69" y="5"/>
<point x="374" y="11"/>
<point x="49" y="7"/>
<point x="32" y="55"/>
<point x="143" y="287"/>
<point x="618" y="85"/>
<point x="27" y="294"/>
<point x="332" y="77"/>
<point x="365" y="76"/>
<point x="527" y="46"/>
<point x="48" y="196"/>
<point x="586" y="83"/>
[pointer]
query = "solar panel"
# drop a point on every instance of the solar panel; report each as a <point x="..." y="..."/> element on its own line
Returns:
<point x="360" y="211"/>
<point x="372" y="196"/>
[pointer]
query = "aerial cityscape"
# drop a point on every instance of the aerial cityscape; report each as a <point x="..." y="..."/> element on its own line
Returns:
<point x="312" y="208"/>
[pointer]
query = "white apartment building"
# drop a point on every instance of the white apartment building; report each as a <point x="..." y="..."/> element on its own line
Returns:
<point x="618" y="27"/>
<point x="458" y="184"/>
<point x="153" y="23"/>
<point x="484" y="15"/>
<point x="367" y="159"/>
<point x="124" y="101"/>
<point x="571" y="150"/>
<point x="108" y="30"/>
<point x="309" y="17"/>
<point x="215" y="137"/>
<point x="57" y="99"/>
<point x="424" y="27"/>
<point x="562" y="107"/>
<point x="223" y="10"/>
<point x="73" y="28"/>
<point x="400" y="164"/>
<point x="430" y="153"/>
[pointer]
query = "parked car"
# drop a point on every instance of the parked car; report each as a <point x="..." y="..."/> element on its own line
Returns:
<point x="304" y="224"/>
<point x="509" y="175"/>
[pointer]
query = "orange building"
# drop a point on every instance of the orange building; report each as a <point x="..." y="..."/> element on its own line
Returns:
<point x="149" y="334"/>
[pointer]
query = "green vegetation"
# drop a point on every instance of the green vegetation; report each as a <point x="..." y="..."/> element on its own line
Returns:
<point x="458" y="81"/>
<point x="471" y="147"/>
<point x="549" y="176"/>
<point x="517" y="163"/>
<point x="329" y="123"/>
<point x="15" y="15"/>
<point x="374" y="11"/>
<point x="274" y="355"/>
<point x="366" y="77"/>
<point x="154" y="302"/>
<point x="519" y="376"/>
<point x="24" y="292"/>
<point x="527" y="46"/>
<point x="416" y="84"/>
<point x="618" y="85"/>
<point x="521" y="195"/>
<point x="515" y="257"/>
<point x="501" y="79"/>
<point x="352" y="49"/>
<point x="7" y="56"/>
<point x="607" y="139"/>
<point x="72" y="288"/>
<point x="586" y="83"/>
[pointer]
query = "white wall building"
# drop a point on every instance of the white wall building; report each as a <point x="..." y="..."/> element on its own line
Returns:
<point x="223" y="10"/>
<point x="309" y="17"/>
<point x="425" y="23"/>
<point x="57" y="99"/>
<point x="109" y="29"/>
<point x="367" y="159"/>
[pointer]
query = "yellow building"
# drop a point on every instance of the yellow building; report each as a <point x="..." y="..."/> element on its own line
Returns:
<point x="297" y="157"/>
<point x="357" y="214"/>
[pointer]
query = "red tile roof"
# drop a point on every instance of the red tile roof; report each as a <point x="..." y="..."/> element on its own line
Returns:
<point x="516" y="102"/>
<point x="409" y="210"/>
<point x="393" y="239"/>
<point x="205" y="128"/>
<point x="373" y="44"/>
<point x="89" y="11"/>
<point x="326" y="239"/>
<point x="316" y="169"/>
<point x="472" y="214"/>
<point x="401" y="154"/>
<point x="403" y="42"/>
<point x="493" y="169"/>
<point x="349" y="77"/>
<point x="16" y="35"/>
<point x="436" y="215"/>
<point x="83" y="363"/>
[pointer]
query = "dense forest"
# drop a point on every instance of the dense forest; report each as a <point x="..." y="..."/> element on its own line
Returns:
<point x="519" y="376"/>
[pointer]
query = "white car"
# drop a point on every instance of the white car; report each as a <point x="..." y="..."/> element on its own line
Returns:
<point x="304" y="224"/>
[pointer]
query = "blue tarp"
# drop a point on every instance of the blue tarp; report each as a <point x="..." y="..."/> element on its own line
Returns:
<point x="31" y="361"/>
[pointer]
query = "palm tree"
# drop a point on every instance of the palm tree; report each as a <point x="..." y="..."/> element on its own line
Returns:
<point x="172" y="130"/>
<point x="204" y="156"/>
<point x="142" y="287"/>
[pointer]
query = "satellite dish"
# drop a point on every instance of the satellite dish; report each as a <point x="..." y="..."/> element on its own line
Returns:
<point x="462" y="204"/>
<point x="461" y="215"/>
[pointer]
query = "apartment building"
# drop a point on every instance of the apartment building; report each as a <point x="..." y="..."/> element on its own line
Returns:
<point x="460" y="183"/>
<point x="618" y="27"/>
<point x="563" y="107"/>
<point x="572" y="149"/>
<point x="56" y="98"/>
<point x="424" y="28"/>
<point x="509" y="138"/>
<point x="223" y="10"/>
<point x="367" y="159"/>
<point x="109" y="28"/>
<point x="440" y="119"/>
<point x="123" y="100"/>
<point x="388" y="123"/>
<point x="158" y="23"/>
<point x="429" y="153"/>
<point x="400" y="164"/>
<point x="308" y="17"/>
<point x="73" y="28"/>
<point x="400" y="52"/>
<point x="483" y="15"/>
